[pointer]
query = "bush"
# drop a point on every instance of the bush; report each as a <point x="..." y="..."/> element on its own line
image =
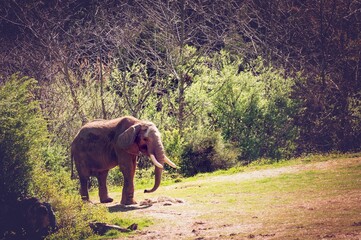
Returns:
<point x="31" y="166"/>
<point x="173" y="144"/>
<point x="52" y="183"/>
<point x="252" y="108"/>
<point x="255" y="111"/>
<point x="22" y="136"/>
<point x="206" y="152"/>
<point x="115" y="178"/>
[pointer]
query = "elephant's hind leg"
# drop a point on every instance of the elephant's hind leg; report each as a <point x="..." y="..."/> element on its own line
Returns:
<point x="84" y="188"/>
<point x="103" y="190"/>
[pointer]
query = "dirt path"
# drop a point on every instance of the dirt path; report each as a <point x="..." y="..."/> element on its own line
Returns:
<point x="193" y="217"/>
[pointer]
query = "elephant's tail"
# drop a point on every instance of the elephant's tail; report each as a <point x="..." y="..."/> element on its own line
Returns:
<point x="72" y="166"/>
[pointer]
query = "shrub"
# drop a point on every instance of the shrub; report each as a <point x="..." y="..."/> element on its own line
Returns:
<point x="255" y="111"/>
<point x="115" y="178"/>
<point x="31" y="166"/>
<point x="174" y="145"/>
<point x="22" y="135"/>
<point x="206" y="152"/>
<point x="52" y="183"/>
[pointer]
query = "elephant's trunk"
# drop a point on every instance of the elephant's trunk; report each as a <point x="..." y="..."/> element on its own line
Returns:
<point x="158" y="157"/>
<point x="157" y="179"/>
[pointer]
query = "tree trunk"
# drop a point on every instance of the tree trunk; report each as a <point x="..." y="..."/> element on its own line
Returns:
<point x="74" y="97"/>
<point x="104" y="112"/>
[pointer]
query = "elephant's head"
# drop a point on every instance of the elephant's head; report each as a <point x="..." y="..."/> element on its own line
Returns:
<point x="146" y="137"/>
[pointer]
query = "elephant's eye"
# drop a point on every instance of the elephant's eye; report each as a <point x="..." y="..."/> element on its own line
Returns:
<point x="146" y="139"/>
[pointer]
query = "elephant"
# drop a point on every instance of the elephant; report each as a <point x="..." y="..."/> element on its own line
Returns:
<point x="104" y="144"/>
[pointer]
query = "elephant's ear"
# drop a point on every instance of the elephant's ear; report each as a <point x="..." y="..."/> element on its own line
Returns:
<point x="127" y="138"/>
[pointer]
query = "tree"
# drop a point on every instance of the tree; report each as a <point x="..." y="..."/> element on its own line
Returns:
<point x="320" y="39"/>
<point x="92" y="48"/>
<point x="67" y="45"/>
<point x="170" y="27"/>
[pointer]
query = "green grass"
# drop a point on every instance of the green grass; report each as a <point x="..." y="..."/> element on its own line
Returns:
<point x="309" y="203"/>
<point x="259" y="165"/>
<point x="293" y="200"/>
<point x="173" y="178"/>
<point x="296" y="204"/>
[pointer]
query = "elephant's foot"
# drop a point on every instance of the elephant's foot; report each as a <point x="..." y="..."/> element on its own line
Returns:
<point x="106" y="200"/>
<point x="128" y="202"/>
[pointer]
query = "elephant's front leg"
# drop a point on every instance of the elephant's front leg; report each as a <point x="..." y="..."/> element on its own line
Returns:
<point x="103" y="190"/>
<point x="128" y="169"/>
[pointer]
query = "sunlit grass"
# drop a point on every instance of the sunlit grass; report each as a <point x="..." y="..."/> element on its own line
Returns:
<point x="174" y="178"/>
<point x="303" y="203"/>
<point x="290" y="202"/>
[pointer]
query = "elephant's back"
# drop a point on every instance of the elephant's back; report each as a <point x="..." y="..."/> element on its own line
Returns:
<point x="102" y="123"/>
<point x="111" y="123"/>
<point x="103" y="131"/>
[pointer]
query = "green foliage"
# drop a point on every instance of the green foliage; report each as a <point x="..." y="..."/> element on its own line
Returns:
<point x="22" y="136"/>
<point x="206" y="152"/>
<point x="51" y="182"/>
<point x="174" y="144"/>
<point x="74" y="216"/>
<point x="115" y="177"/>
<point x="253" y="109"/>
<point x="31" y="166"/>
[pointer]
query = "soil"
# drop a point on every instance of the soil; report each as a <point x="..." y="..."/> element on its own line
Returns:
<point x="185" y="218"/>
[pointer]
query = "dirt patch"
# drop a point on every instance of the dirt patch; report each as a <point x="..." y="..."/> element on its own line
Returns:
<point x="190" y="218"/>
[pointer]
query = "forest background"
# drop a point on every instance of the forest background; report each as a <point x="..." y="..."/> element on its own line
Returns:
<point x="226" y="82"/>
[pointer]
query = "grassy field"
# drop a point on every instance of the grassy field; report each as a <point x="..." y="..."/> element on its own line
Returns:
<point x="318" y="198"/>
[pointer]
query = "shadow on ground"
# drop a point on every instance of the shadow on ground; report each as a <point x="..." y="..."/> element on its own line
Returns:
<point x="125" y="208"/>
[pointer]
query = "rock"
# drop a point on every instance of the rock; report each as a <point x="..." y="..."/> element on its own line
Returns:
<point x="133" y="227"/>
<point x="26" y="219"/>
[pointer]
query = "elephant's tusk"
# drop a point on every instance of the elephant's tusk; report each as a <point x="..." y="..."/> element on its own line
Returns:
<point x="155" y="162"/>
<point x="170" y="163"/>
